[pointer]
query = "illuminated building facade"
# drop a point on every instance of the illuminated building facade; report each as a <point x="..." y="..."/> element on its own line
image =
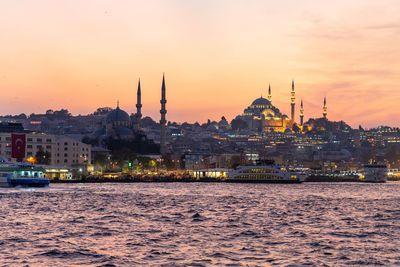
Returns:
<point x="292" y="102"/>
<point x="301" y="113"/>
<point x="261" y="115"/>
<point x="63" y="150"/>
<point x="269" y="93"/>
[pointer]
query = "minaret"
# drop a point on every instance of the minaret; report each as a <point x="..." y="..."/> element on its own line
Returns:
<point x="269" y="93"/>
<point x="139" y="102"/>
<point x="325" y="108"/>
<point x="163" y="111"/>
<point x="301" y="113"/>
<point x="293" y="102"/>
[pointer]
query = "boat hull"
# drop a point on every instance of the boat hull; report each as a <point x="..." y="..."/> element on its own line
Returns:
<point x="374" y="173"/>
<point x="22" y="174"/>
<point x="25" y="182"/>
<point x="267" y="174"/>
<point x="379" y="180"/>
<point x="29" y="182"/>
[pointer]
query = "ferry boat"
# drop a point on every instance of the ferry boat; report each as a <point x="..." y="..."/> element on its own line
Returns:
<point x="374" y="173"/>
<point x="22" y="174"/>
<point x="265" y="174"/>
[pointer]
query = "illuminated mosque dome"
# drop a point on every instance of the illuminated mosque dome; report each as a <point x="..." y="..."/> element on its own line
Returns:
<point x="261" y="101"/>
<point x="261" y="115"/>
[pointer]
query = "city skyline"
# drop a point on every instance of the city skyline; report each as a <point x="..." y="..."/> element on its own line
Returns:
<point x="217" y="57"/>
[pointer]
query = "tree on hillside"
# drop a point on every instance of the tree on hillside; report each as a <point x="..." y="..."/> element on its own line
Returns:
<point x="102" y="111"/>
<point x="102" y="161"/>
<point x="238" y="124"/>
<point x="123" y="155"/>
<point x="43" y="157"/>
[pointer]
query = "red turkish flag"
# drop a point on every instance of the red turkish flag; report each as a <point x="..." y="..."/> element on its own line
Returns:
<point x="18" y="143"/>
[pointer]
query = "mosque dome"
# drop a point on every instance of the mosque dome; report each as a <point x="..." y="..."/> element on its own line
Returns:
<point x="100" y="132"/>
<point x="123" y="131"/>
<point x="117" y="115"/>
<point x="261" y="101"/>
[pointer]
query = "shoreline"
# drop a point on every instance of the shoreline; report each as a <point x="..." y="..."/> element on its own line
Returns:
<point x="170" y="179"/>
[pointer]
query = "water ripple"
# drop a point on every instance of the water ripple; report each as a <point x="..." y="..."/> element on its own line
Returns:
<point x="200" y="224"/>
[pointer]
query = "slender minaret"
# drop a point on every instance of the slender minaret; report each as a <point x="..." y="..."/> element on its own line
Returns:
<point x="163" y="111"/>
<point x="293" y="102"/>
<point x="325" y="108"/>
<point x="269" y="93"/>
<point x="301" y="113"/>
<point x="139" y="102"/>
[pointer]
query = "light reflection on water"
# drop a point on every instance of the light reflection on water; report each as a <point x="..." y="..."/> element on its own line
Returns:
<point x="201" y="224"/>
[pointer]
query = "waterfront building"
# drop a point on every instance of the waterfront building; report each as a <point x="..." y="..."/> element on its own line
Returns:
<point x="72" y="153"/>
<point x="61" y="150"/>
<point x="34" y="142"/>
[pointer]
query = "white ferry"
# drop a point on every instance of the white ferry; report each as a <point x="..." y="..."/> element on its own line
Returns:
<point x="22" y="174"/>
<point x="374" y="173"/>
<point x="265" y="174"/>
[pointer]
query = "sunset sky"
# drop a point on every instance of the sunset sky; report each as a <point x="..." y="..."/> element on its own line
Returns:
<point x="218" y="56"/>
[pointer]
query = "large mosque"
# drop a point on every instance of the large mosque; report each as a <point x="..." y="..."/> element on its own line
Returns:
<point x="118" y="125"/>
<point x="263" y="116"/>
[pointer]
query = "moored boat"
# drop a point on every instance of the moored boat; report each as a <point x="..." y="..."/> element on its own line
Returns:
<point x="22" y="174"/>
<point x="265" y="174"/>
<point x="374" y="173"/>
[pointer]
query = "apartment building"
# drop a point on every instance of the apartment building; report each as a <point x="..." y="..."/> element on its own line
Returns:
<point x="63" y="150"/>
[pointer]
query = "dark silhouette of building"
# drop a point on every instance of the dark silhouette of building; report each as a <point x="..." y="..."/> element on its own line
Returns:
<point x="163" y="121"/>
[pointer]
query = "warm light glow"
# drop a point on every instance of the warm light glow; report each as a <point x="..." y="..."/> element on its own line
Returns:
<point x="31" y="160"/>
<point x="218" y="56"/>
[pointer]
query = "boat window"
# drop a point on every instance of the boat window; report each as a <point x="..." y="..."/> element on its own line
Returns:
<point x="259" y="176"/>
<point x="258" y="171"/>
<point x="35" y="174"/>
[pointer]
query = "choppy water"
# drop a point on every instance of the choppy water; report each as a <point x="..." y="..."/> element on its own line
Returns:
<point x="201" y="224"/>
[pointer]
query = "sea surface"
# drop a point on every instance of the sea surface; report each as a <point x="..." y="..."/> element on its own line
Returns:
<point x="201" y="224"/>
